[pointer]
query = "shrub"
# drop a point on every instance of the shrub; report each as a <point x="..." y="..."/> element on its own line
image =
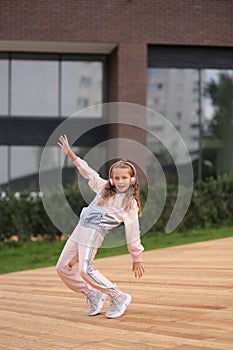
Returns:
<point x="23" y="214"/>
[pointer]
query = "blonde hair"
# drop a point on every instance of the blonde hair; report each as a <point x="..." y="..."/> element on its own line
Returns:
<point x="132" y="192"/>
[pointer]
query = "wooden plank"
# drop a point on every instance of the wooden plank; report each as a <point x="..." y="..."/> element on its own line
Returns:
<point x="184" y="301"/>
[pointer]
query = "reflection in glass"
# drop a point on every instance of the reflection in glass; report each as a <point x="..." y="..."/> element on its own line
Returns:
<point x="187" y="90"/>
<point x="44" y="87"/>
<point x="26" y="160"/>
<point x="3" y="164"/>
<point x="171" y="92"/>
<point x="81" y="87"/>
<point x="218" y="121"/>
<point x="4" y="87"/>
<point x="34" y="88"/>
<point x="24" y="163"/>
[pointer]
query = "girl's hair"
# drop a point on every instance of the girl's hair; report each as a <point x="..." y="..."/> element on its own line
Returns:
<point x="132" y="192"/>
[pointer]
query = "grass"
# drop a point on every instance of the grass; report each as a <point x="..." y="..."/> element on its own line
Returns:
<point x="18" y="256"/>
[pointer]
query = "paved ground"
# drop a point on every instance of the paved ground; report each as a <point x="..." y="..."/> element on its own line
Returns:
<point x="185" y="301"/>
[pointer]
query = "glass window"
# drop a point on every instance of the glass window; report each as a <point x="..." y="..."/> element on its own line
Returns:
<point x="4" y="66"/>
<point x="4" y="165"/>
<point x="48" y="88"/>
<point x="25" y="163"/>
<point x="34" y="88"/>
<point x="44" y="86"/>
<point x="217" y="109"/>
<point x="81" y="87"/>
<point x="26" y="160"/>
<point x="209" y="91"/>
<point x="175" y="95"/>
<point x="85" y="81"/>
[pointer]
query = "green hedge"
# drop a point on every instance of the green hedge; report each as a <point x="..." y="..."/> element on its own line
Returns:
<point x="211" y="205"/>
<point x="23" y="215"/>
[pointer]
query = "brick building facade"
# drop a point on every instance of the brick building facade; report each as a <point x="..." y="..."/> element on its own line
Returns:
<point x="119" y="30"/>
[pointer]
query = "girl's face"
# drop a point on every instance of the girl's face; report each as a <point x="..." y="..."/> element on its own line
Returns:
<point x="121" y="179"/>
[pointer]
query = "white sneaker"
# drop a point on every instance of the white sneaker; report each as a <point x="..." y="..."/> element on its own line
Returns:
<point x="118" y="305"/>
<point x="96" y="299"/>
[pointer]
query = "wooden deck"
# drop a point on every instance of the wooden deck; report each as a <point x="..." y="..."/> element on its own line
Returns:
<point x="185" y="301"/>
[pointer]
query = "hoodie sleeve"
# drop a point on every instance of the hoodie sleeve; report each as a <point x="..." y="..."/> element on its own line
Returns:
<point x="95" y="182"/>
<point x="132" y="232"/>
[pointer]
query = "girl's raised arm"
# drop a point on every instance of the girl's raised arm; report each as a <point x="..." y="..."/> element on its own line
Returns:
<point x="64" y="144"/>
<point x="95" y="181"/>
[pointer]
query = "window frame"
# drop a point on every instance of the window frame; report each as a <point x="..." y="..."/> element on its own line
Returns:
<point x="20" y="130"/>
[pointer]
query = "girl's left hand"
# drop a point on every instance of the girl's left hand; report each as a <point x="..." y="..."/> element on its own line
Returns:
<point x="138" y="269"/>
<point x="64" y="143"/>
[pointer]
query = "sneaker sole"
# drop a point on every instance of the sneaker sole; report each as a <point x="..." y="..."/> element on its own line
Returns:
<point x="127" y="302"/>
<point x="99" y="307"/>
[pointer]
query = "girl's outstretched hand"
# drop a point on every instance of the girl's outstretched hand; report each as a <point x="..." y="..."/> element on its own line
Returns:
<point x="138" y="269"/>
<point x="64" y="143"/>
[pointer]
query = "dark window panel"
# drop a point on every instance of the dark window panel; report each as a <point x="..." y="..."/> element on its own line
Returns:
<point x="36" y="131"/>
<point x="175" y="56"/>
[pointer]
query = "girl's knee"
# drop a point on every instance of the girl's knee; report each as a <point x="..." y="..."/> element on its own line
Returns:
<point x="83" y="274"/>
<point x="58" y="269"/>
<point x="84" y="271"/>
<point x="61" y="268"/>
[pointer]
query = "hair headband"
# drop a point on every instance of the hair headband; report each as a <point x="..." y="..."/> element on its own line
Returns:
<point x="126" y="163"/>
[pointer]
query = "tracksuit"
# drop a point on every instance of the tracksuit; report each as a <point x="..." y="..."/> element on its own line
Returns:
<point x="95" y="222"/>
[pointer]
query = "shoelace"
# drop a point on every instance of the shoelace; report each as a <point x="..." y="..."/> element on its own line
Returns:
<point x="114" y="303"/>
<point x="89" y="300"/>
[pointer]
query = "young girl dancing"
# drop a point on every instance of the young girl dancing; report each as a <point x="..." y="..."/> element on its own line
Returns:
<point x="116" y="201"/>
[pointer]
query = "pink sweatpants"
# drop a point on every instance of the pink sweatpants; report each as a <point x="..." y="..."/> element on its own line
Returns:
<point x="83" y="249"/>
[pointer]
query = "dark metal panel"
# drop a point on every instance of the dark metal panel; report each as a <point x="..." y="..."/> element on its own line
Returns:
<point x="83" y="57"/>
<point x="56" y="56"/>
<point x="36" y="131"/>
<point x="172" y="56"/>
<point x="34" y="56"/>
<point x="4" y="55"/>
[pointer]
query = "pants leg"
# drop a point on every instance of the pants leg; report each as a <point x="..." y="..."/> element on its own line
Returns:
<point x="89" y="242"/>
<point x="66" y="271"/>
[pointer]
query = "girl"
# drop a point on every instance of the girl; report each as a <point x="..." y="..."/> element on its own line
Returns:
<point x="116" y="201"/>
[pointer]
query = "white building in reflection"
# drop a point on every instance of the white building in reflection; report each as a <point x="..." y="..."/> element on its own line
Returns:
<point x="174" y="94"/>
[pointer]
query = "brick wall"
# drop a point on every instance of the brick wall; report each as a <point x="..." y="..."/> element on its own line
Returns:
<point x="131" y="24"/>
<point x="186" y="22"/>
